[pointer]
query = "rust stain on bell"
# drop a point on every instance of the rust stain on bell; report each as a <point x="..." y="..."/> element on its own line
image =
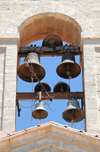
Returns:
<point x="52" y="41"/>
<point x="24" y="72"/>
<point x="68" y="68"/>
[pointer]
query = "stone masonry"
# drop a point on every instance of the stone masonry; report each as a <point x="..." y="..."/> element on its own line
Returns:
<point x="17" y="15"/>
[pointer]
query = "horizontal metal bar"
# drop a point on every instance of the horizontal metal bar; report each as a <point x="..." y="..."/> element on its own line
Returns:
<point x="47" y="51"/>
<point x="53" y="95"/>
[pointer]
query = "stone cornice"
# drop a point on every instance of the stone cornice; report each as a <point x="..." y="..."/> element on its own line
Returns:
<point x="50" y="131"/>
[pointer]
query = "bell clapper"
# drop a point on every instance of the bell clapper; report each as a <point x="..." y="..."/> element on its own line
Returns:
<point x="40" y="115"/>
<point x="62" y="90"/>
<point x="73" y="119"/>
<point x="39" y="120"/>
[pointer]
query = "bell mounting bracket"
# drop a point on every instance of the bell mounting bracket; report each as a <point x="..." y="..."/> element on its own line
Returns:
<point x="49" y="51"/>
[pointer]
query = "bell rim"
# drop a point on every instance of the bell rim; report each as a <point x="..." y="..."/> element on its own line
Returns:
<point x="66" y="77"/>
<point x="66" y="119"/>
<point x="27" y="79"/>
<point x="44" y="87"/>
<point x="37" y="110"/>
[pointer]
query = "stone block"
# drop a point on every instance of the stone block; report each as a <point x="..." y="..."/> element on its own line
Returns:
<point x="90" y="93"/>
<point x="10" y="77"/>
<point x="92" y="113"/>
<point x="89" y="51"/>
<point x="10" y="60"/>
<point x="94" y="42"/>
<point x="1" y="96"/>
<point x="90" y="102"/>
<point x="90" y="85"/>
<point x="9" y="94"/>
<point x="12" y="29"/>
<point x="5" y="7"/>
<point x="50" y="8"/>
<point x="97" y="53"/>
<point x="8" y="113"/>
<point x="10" y="85"/>
<point x="1" y="61"/>
<point x="89" y="60"/>
<point x="12" y="51"/>
<point x="98" y="69"/>
<point x="99" y="120"/>
<point x="98" y="86"/>
<point x="22" y="7"/>
<point x="10" y="69"/>
<point x="98" y="95"/>
<point x="90" y="77"/>
<point x="1" y="70"/>
<point x="10" y="103"/>
<point x="9" y="125"/>
<point x="1" y="78"/>
<point x="9" y="44"/>
<point x="92" y="124"/>
<point x="1" y="86"/>
<point x="89" y="68"/>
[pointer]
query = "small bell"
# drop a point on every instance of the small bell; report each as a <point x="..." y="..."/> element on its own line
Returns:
<point x="24" y="72"/>
<point x="39" y="88"/>
<point x="73" y="113"/>
<point x="68" y="68"/>
<point x="52" y="41"/>
<point x="39" y="112"/>
<point x="61" y="87"/>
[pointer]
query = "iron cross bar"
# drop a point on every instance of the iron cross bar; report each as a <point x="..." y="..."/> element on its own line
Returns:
<point x="49" y="51"/>
<point x="53" y="95"/>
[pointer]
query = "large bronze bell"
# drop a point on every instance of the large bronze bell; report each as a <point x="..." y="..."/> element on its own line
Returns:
<point x="73" y="111"/>
<point x="68" y="68"/>
<point x="39" y="112"/>
<point x="52" y="41"/>
<point x="61" y="87"/>
<point x="39" y="88"/>
<point x="24" y="72"/>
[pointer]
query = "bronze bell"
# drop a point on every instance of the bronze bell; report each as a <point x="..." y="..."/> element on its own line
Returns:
<point x="52" y="41"/>
<point x="73" y="111"/>
<point x="39" y="88"/>
<point x="39" y="112"/>
<point x="61" y="87"/>
<point x="24" y="72"/>
<point x="68" y="68"/>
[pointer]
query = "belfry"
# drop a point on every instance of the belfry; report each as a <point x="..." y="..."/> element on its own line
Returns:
<point x="67" y="29"/>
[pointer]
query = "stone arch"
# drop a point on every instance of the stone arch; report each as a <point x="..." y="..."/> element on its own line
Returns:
<point x="39" y="26"/>
<point x="72" y="13"/>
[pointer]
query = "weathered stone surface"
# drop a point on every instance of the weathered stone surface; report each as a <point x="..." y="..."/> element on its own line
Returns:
<point x="30" y="20"/>
<point x="50" y="137"/>
<point x="91" y="84"/>
<point x="8" y="68"/>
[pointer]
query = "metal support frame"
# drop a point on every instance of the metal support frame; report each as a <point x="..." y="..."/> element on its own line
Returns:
<point x="48" y="51"/>
<point x="44" y="52"/>
<point x="53" y="95"/>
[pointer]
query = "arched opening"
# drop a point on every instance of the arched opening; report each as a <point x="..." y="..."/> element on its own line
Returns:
<point x="39" y="26"/>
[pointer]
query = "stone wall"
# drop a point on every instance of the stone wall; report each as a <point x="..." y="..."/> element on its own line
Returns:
<point x="13" y="13"/>
<point x="91" y="58"/>
<point x="8" y="81"/>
